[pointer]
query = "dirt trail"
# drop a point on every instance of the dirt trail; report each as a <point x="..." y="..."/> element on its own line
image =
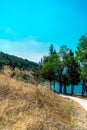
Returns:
<point x="82" y="102"/>
<point x="81" y="109"/>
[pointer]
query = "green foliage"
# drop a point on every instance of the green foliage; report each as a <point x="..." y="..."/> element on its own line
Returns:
<point x="72" y="68"/>
<point x="52" y="50"/>
<point x="61" y="67"/>
<point x="47" y="71"/>
<point x="63" y="51"/>
<point x="17" y="62"/>
<point x="20" y="75"/>
<point x="50" y="67"/>
<point x="81" y="52"/>
<point x="81" y="56"/>
<point x="83" y="72"/>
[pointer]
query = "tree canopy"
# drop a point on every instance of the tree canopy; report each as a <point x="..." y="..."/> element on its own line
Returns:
<point x="66" y="67"/>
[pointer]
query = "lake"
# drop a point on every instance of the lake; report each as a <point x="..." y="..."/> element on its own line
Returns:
<point x="77" y="89"/>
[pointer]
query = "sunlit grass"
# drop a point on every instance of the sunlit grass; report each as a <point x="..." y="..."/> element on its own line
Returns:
<point x="24" y="106"/>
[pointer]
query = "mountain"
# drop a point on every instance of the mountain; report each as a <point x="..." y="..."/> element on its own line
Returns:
<point x="17" y="62"/>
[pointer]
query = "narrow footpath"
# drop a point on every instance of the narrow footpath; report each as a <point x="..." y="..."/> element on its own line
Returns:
<point x="82" y="102"/>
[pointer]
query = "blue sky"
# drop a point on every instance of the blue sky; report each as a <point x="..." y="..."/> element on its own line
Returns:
<point x="28" y="27"/>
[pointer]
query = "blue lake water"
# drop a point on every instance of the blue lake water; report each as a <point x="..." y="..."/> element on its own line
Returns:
<point x="77" y="89"/>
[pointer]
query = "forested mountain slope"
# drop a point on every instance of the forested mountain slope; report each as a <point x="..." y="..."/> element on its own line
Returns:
<point x="16" y="62"/>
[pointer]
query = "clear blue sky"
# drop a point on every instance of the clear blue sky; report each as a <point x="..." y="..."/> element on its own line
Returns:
<point x="28" y="27"/>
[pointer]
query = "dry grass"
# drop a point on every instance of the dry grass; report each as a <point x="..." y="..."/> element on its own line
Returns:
<point x="26" y="107"/>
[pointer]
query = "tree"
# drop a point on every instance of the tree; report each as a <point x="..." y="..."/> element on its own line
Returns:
<point x="52" y="50"/>
<point x="82" y="49"/>
<point x="81" y="56"/>
<point x="50" y="68"/>
<point x="47" y="72"/>
<point x="72" y="68"/>
<point x="63" y="81"/>
<point x="83" y="75"/>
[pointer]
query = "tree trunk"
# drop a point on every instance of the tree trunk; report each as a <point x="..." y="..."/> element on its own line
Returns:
<point x="50" y="85"/>
<point x="86" y="89"/>
<point x="83" y="91"/>
<point x="64" y="89"/>
<point x="83" y="87"/>
<point x="72" y="89"/>
<point x="54" y="87"/>
<point x="60" y="91"/>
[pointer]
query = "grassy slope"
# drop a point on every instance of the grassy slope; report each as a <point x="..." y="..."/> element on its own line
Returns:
<point x="20" y="75"/>
<point x="26" y="107"/>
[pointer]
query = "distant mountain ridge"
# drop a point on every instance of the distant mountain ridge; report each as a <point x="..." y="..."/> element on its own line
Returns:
<point x="17" y="62"/>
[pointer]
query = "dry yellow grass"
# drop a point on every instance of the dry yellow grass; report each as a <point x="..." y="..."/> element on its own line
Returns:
<point x="27" y="107"/>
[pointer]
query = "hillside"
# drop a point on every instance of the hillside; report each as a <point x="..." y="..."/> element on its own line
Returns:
<point x="17" y="62"/>
<point x="18" y="74"/>
<point x="27" y="107"/>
